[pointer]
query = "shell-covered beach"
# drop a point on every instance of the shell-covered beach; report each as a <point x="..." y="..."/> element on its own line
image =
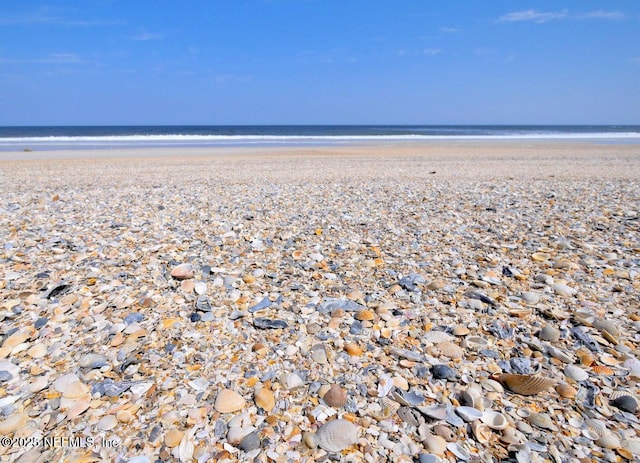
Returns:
<point x="418" y="302"/>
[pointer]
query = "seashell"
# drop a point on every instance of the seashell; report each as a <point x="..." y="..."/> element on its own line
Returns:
<point x="200" y="288"/>
<point x="586" y="358"/>
<point x="444" y="372"/>
<point x="543" y="420"/>
<point x="567" y="391"/>
<point x="608" y="441"/>
<point x="460" y="330"/>
<point x="625" y="403"/>
<point x="335" y="396"/>
<point x="494" y="419"/>
<point x="481" y="432"/>
<point x="437" y="337"/>
<point x="530" y="297"/>
<point x="74" y="390"/>
<point x="353" y="349"/>
<point x="549" y="333"/>
<point x="291" y="381"/>
<point x="228" y="401"/>
<point x="410" y="416"/>
<point x="182" y="271"/>
<point x="459" y="451"/>
<point x="187" y="447"/>
<point x="388" y="408"/>
<point x="173" y="437"/>
<point x="437" y="412"/>
<point x="468" y="414"/>
<point x="472" y="398"/>
<point x="560" y="354"/>
<point x="364" y="315"/>
<point x="435" y="444"/>
<point x="512" y="436"/>
<point x="609" y="360"/>
<point x="336" y="435"/>
<point x="445" y="432"/>
<point x="575" y="373"/>
<point x="13" y="422"/>
<point x="602" y="370"/>
<point x="409" y="399"/>
<point x="492" y="386"/>
<point x="450" y="350"/>
<point x="264" y="399"/>
<point x="475" y="343"/>
<point x="525" y="384"/>
<point x="564" y="290"/>
<point x="584" y="317"/>
<point x="603" y="324"/>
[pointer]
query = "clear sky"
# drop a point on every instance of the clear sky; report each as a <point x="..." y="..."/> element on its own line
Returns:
<point x="319" y="62"/>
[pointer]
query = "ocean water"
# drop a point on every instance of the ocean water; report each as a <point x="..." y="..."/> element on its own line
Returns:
<point x="111" y="137"/>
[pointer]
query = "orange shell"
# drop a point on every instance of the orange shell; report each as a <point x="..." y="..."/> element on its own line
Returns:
<point x="602" y="370"/>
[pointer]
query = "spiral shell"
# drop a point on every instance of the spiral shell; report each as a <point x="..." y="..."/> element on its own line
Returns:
<point x="525" y="384"/>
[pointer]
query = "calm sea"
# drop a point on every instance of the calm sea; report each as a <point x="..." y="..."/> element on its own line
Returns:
<point x="109" y="137"/>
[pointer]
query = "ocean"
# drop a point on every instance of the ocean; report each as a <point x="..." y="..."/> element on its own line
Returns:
<point x="111" y="137"/>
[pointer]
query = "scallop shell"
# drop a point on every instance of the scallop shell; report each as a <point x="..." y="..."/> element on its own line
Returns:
<point x="388" y="409"/>
<point x="481" y="432"/>
<point x="602" y="370"/>
<point x="525" y="384"/>
<point x="609" y="326"/>
<point x="494" y="419"/>
<point x="335" y="396"/>
<point x="336" y="435"/>
<point x="609" y="441"/>
<point x="575" y="373"/>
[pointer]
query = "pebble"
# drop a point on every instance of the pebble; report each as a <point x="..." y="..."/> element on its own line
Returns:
<point x="426" y="312"/>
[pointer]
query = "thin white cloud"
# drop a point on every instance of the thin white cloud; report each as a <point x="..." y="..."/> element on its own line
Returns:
<point x="44" y="19"/>
<point x="547" y="16"/>
<point x="431" y="51"/>
<point x="144" y="36"/>
<point x="449" y="30"/>
<point x="534" y="16"/>
<point x="53" y="58"/>
<point x="600" y="14"/>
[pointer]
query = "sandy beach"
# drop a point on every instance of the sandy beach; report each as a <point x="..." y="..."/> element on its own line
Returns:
<point x="460" y="302"/>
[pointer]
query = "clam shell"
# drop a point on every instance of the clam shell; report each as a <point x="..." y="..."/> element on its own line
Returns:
<point x="265" y="399"/>
<point x="525" y="384"/>
<point x="436" y="337"/>
<point x="565" y="390"/>
<point x="445" y="432"/>
<point x="335" y="396"/>
<point x="475" y="343"/>
<point x="472" y="398"/>
<point x="494" y="419"/>
<point x="468" y="413"/>
<point x="543" y="420"/>
<point x="481" y="432"/>
<point x="337" y="435"/>
<point x="549" y="333"/>
<point x="435" y="444"/>
<point x="229" y="401"/>
<point x="575" y="373"/>
<point x="459" y="451"/>
<point x="609" y="441"/>
<point x="625" y="403"/>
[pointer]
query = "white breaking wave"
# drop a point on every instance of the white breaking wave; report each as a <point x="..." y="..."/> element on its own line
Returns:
<point x="212" y="140"/>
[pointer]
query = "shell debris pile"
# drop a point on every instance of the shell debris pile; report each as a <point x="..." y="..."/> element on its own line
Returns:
<point x="215" y="310"/>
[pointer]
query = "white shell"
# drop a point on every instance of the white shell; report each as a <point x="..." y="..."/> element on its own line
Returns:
<point x="494" y="419"/>
<point x="575" y="373"/>
<point x="468" y="413"/>
<point x="337" y="435"/>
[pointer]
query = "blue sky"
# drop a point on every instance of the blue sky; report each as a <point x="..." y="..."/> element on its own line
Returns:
<point x="319" y="62"/>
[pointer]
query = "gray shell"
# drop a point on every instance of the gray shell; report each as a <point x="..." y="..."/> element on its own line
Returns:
<point x="337" y="435"/>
